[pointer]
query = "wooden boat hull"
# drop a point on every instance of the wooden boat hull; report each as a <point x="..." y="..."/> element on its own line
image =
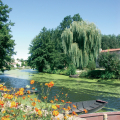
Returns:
<point x="84" y="106"/>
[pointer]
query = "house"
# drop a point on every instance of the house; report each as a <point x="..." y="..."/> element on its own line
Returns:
<point x="16" y="62"/>
<point x="112" y="50"/>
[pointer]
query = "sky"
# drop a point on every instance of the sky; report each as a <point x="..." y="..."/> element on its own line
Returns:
<point x="30" y="16"/>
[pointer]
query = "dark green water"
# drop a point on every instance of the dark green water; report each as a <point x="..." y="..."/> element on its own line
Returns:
<point x="21" y="78"/>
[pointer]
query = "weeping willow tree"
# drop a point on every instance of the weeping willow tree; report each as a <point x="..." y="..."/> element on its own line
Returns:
<point x="82" y="42"/>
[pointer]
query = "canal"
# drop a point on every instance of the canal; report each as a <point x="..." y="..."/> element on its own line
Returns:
<point x="75" y="88"/>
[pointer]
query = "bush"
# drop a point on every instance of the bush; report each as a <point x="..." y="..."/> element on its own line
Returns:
<point x="91" y="65"/>
<point x="84" y="74"/>
<point x="95" y="73"/>
<point x="71" y="70"/>
<point x="108" y="75"/>
<point x="110" y="61"/>
<point x="101" y="74"/>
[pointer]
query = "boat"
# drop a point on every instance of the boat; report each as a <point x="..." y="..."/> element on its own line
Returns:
<point x="83" y="107"/>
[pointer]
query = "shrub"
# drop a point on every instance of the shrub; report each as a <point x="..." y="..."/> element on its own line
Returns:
<point x="71" y="70"/>
<point x="91" y="65"/>
<point x="110" y="61"/>
<point x="108" y="75"/>
<point x="84" y="74"/>
<point x="95" y="73"/>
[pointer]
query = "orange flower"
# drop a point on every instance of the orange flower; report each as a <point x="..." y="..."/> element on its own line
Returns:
<point x="36" y="109"/>
<point x="1" y="103"/>
<point x="28" y="91"/>
<point x="21" y="93"/>
<point x="31" y="99"/>
<point x="45" y="97"/>
<point x="52" y="101"/>
<point x="50" y="84"/>
<point x="33" y="87"/>
<point x="23" y="97"/>
<point x="85" y="111"/>
<point x="65" y="118"/>
<point x="69" y="107"/>
<point x="74" y="113"/>
<point x="74" y="106"/>
<point x="62" y="101"/>
<point x="24" y="116"/>
<point x="32" y="82"/>
<point x="56" y="99"/>
<point x="55" y="113"/>
<point x="39" y="100"/>
<point x="33" y="104"/>
<point x="58" y="106"/>
<point x="69" y="102"/>
<point x="62" y="93"/>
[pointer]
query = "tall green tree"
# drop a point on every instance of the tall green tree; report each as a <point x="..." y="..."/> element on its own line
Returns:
<point x="6" y="43"/>
<point x="82" y="42"/>
<point x="110" y="42"/>
<point x="43" y="52"/>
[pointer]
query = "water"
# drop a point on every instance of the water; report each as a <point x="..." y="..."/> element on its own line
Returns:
<point x="21" y="78"/>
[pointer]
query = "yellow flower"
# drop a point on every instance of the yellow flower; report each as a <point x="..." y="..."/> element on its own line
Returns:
<point x="13" y="104"/>
<point x="1" y="85"/>
<point x="28" y="96"/>
<point x="39" y="112"/>
<point x="35" y="99"/>
<point x="54" y="107"/>
<point x="3" y="111"/>
<point x="10" y="96"/>
<point x="21" y="89"/>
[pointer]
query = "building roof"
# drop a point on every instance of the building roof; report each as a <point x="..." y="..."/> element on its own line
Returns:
<point x="110" y="50"/>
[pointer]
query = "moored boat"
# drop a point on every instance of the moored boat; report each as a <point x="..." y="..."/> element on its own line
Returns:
<point x="83" y="107"/>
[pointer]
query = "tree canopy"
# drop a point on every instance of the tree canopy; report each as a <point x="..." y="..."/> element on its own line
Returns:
<point x="110" y="42"/>
<point x="6" y="43"/>
<point x="82" y="42"/>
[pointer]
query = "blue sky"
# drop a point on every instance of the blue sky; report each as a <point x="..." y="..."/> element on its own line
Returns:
<point x="30" y="16"/>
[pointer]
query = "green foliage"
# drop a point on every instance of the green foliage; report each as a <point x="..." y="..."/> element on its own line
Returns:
<point x="110" y="42"/>
<point x="84" y="74"/>
<point x="82" y="42"/>
<point x="68" y="20"/>
<point x="71" y="70"/>
<point x="95" y="73"/>
<point x="108" y="75"/>
<point x="43" y="52"/>
<point x="17" y="65"/>
<point x="110" y="61"/>
<point x="91" y="65"/>
<point x="6" y="43"/>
